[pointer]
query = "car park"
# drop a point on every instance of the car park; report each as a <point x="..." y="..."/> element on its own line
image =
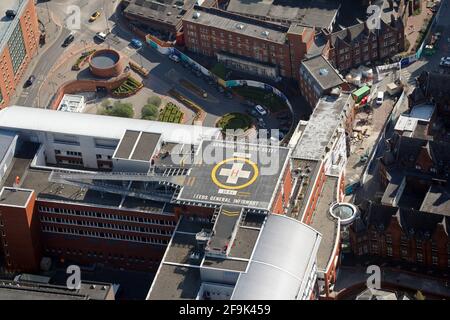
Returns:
<point x="260" y="110"/>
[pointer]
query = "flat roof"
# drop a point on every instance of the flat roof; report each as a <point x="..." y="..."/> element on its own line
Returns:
<point x="314" y="13"/>
<point x="15" y="197"/>
<point x="145" y="146"/>
<point x="224" y="226"/>
<point x="237" y="24"/>
<point x="167" y="11"/>
<point x="12" y="290"/>
<point x="323" y="72"/>
<point x="127" y="144"/>
<point x="175" y="282"/>
<point x="325" y="223"/>
<point x="98" y="126"/>
<point x="324" y="121"/>
<point x="238" y="174"/>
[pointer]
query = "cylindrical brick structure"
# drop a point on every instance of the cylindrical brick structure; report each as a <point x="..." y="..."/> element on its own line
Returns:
<point x="106" y="63"/>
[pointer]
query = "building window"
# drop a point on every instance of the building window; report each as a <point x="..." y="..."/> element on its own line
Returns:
<point x="99" y="156"/>
<point x="434" y="260"/>
<point x="16" y="48"/>
<point x="419" y="257"/>
<point x="404" y="253"/>
<point x="389" y="251"/>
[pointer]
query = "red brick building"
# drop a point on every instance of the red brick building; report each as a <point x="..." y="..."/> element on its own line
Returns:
<point x="250" y="45"/>
<point x="19" y="40"/>
<point x="360" y="44"/>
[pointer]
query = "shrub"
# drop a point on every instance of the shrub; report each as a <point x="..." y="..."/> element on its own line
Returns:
<point x="119" y="109"/>
<point x="154" y="100"/>
<point x="149" y="112"/>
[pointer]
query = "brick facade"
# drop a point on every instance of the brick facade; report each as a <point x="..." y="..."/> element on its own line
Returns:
<point x="27" y="22"/>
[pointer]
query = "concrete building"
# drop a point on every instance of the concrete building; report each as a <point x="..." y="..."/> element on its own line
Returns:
<point x="319" y="78"/>
<point x="19" y="40"/>
<point x="163" y="17"/>
<point x="72" y="103"/>
<point x="263" y="48"/>
<point x="27" y="290"/>
<point x="317" y="14"/>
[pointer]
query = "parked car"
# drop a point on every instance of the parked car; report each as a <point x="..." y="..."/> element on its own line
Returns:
<point x="10" y="13"/>
<point x="30" y="80"/>
<point x="100" y="36"/>
<point x="136" y="43"/>
<point x="380" y="98"/>
<point x="68" y="40"/>
<point x="260" y="110"/>
<point x="174" y="58"/>
<point x="94" y="16"/>
<point x="445" y="62"/>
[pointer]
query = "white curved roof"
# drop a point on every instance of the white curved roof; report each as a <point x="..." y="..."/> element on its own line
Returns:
<point x="281" y="263"/>
<point x="92" y="125"/>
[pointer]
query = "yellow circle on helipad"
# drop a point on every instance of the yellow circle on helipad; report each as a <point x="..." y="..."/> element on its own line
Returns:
<point x="242" y="186"/>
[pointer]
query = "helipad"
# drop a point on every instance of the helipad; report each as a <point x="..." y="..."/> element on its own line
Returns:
<point x="246" y="175"/>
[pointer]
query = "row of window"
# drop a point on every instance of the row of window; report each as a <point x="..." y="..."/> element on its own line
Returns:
<point x="101" y="255"/>
<point x="107" y="216"/>
<point x="101" y="225"/>
<point x="104" y="235"/>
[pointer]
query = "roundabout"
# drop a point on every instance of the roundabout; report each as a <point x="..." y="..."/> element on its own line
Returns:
<point x="235" y="121"/>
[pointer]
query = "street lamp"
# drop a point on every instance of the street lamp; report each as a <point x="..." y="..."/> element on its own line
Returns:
<point x="84" y="43"/>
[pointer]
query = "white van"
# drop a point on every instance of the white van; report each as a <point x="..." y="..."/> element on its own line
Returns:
<point x="380" y="97"/>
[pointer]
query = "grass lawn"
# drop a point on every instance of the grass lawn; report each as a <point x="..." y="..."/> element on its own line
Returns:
<point x="262" y="97"/>
<point x="235" y="121"/>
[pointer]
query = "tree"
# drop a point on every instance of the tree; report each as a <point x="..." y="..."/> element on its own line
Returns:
<point x="119" y="109"/>
<point x="149" y="112"/>
<point x="154" y="100"/>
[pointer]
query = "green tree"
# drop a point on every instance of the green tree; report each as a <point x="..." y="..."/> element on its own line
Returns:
<point x="154" y="100"/>
<point x="149" y="112"/>
<point x="119" y="109"/>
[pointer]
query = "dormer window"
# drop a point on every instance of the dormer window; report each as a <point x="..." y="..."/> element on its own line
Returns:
<point x="418" y="167"/>
<point x="433" y="170"/>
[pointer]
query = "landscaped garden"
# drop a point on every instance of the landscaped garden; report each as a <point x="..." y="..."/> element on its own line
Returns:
<point x="171" y="113"/>
<point x="234" y="121"/>
<point x="81" y="60"/>
<point x="260" y="96"/>
<point x="129" y="87"/>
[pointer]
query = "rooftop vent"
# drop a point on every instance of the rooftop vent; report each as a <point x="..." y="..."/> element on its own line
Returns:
<point x="323" y="72"/>
<point x="169" y="13"/>
<point x="196" y="15"/>
<point x="265" y="33"/>
<point x="240" y="26"/>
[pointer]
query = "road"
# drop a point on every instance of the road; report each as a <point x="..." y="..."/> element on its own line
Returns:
<point x="408" y="74"/>
<point x="164" y="73"/>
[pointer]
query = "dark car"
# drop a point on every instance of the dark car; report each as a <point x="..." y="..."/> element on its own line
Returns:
<point x="30" y="81"/>
<point x="10" y="13"/>
<point x="68" y="40"/>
